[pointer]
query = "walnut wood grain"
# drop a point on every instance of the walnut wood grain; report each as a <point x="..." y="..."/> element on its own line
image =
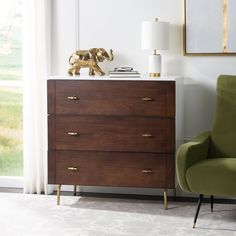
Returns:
<point x="170" y="96"/>
<point x="115" y="98"/>
<point x="104" y="133"/>
<point x="51" y="166"/>
<point x="170" y="172"/>
<point x="113" y="169"/>
<point x="51" y="132"/>
<point x="51" y="84"/>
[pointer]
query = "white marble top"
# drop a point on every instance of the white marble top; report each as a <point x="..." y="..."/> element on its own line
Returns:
<point x="85" y="77"/>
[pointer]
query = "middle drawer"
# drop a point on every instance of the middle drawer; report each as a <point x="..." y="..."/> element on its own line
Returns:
<point x="103" y="133"/>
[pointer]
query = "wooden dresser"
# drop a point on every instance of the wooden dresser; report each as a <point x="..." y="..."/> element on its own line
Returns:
<point x="108" y="132"/>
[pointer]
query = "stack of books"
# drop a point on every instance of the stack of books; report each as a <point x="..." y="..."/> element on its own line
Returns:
<point x="124" y="72"/>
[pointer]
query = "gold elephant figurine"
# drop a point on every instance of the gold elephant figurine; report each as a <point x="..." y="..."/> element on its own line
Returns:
<point x="89" y="58"/>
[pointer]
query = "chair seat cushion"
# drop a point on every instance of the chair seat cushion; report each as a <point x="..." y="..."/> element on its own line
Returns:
<point x="215" y="176"/>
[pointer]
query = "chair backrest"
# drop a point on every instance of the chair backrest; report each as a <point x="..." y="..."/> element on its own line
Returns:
<point x="223" y="133"/>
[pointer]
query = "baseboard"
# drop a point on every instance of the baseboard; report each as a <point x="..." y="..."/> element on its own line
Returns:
<point x="11" y="190"/>
<point x="159" y="197"/>
<point x="147" y="197"/>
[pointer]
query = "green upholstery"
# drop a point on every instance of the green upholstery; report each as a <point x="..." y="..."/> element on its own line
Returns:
<point x="188" y="154"/>
<point x="207" y="165"/>
<point x="223" y="133"/>
<point x="213" y="176"/>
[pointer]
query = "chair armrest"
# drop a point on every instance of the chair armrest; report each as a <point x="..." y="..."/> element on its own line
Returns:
<point x="190" y="153"/>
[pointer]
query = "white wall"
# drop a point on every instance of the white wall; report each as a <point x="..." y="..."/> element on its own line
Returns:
<point x="64" y="33"/>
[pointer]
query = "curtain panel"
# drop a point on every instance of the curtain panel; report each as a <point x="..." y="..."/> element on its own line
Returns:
<point x="36" y="68"/>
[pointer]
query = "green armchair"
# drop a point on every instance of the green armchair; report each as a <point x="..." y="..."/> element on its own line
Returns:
<point x="207" y="165"/>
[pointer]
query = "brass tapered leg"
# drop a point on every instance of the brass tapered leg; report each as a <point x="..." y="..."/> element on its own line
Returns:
<point x="165" y="200"/>
<point x="58" y="194"/>
<point x="74" y="190"/>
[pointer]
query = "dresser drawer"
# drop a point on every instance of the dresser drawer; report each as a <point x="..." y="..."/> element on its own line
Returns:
<point x="112" y="98"/>
<point x="114" y="169"/>
<point x="103" y="133"/>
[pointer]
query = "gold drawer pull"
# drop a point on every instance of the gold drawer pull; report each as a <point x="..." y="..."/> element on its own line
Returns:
<point x="73" y="133"/>
<point x="147" y="99"/>
<point x="146" y="135"/>
<point x="147" y="171"/>
<point x="72" y="98"/>
<point x="72" y="168"/>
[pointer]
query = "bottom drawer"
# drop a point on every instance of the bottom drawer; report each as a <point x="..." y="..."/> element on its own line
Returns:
<point x="144" y="170"/>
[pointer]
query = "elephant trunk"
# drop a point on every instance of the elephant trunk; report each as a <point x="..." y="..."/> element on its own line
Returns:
<point x="70" y="60"/>
<point x="111" y="57"/>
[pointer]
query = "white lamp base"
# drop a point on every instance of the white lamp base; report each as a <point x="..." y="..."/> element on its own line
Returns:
<point x="154" y="65"/>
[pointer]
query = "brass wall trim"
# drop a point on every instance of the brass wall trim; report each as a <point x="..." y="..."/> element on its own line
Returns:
<point x="225" y="26"/>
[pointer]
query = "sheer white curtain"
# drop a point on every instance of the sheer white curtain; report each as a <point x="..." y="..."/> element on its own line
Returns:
<point x="36" y="68"/>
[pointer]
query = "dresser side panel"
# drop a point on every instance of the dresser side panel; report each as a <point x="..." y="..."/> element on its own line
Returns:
<point x="51" y="167"/>
<point x="51" y="93"/>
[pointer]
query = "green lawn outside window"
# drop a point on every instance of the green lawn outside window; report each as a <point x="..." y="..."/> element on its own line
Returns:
<point x="11" y="148"/>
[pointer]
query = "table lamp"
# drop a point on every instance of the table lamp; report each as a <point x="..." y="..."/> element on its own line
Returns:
<point x="155" y="36"/>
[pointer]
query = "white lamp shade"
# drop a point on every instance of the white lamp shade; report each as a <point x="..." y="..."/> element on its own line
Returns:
<point x="155" y="35"/>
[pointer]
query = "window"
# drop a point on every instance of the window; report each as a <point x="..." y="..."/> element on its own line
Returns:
<point x="11" y="149"/>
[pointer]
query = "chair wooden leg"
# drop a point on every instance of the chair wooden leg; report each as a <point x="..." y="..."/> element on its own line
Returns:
<point x="74" y="190"/>
<point x="58" y="194"/>
<point x="165" y="200"/>
<point x="212" y="202"/>
<point x="198" y="209"/>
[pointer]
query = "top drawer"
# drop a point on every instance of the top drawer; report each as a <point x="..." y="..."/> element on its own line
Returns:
<point x="111" y="97"/>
